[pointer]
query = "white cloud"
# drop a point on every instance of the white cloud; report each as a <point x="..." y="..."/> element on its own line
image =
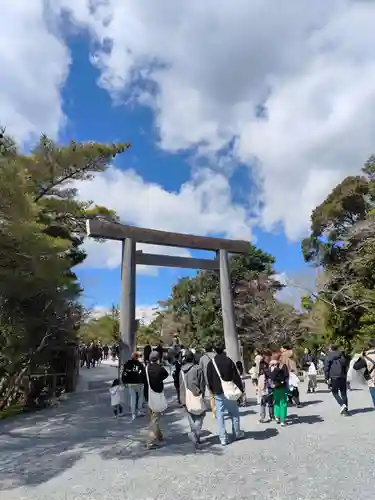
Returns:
<point x="33" y="67"/>
<point x="201" y="206"/>
<point x="311" y="64"/>
<point x="296" y="286"/>
<point x="145" y="313"/>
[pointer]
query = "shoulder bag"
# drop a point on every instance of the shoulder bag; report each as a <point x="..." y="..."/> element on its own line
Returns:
<point x="230" y="389"/>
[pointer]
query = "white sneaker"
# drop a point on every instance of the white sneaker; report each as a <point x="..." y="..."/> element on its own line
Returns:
<point x="134" y="417"/>
<point x="343" y="409"/>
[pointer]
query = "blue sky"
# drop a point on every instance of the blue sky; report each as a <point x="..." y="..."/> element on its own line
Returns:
<point x="189" y="80"/>
<point x="92" y="116"/>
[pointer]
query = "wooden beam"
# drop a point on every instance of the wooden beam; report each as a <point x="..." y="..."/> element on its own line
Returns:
<point x="115" y="231"/>
<point x="149" y="259"/>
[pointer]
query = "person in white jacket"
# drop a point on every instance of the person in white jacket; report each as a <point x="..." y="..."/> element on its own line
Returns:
<point x="115" y="392"/>
<point x="312" y="377"/>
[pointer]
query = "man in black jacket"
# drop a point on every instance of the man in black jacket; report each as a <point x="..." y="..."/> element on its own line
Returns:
<point x="156" y="375"/>
<point x="134" y="377"/>
<point x="335" y="370"/>
<point x="221" y="368"/>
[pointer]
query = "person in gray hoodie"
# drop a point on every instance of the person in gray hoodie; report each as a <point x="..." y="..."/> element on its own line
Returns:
<point x="192" y="375"/>
<point x="203" y="363"/>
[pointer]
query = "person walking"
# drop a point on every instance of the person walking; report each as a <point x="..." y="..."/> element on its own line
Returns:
<point x="335" y="370"/>
<point x="225" y="384"/>
<point x="154" y="393"/>
<point x="192" y="389"/>
<point x="146" y="352"/>
<point x="367" y="362"/>
<point x="206" y="357"/>
<point x="134" y="377"/>
<point x="278" y="375"/>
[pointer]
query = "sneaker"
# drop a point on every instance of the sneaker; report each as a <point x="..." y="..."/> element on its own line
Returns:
<point x="277" y="420"/>
<point x="224" y="443"/>
<point x="134" y="417"/>
<point x="261" y="421"/>
<point x="344" y="409"/>
<point x="283" y="424"/>
<point x="193" y="437"/>
<point x="239" y="435"/>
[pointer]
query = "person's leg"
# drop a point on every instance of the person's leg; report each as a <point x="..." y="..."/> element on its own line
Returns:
<point x="212" y="405"/>
<point x="263" y="404"/>
<point x="120" y="409"/>
<point x="343" y="388"/>
<point x="276" y="404"/>
<point x="372" y="394"/>
<point x="283" y="405"/>
<point x="140" y="398"/>
<point x="314" y="382"/>
<point x="234" y="414"/>
<point x="296" y="397"/>
<point x="335" y="387"/>
<point x="133" y="401"/>
<point x="270" y="406"/>
<point x="115" y="410"/>
<point x="220" y="411"/>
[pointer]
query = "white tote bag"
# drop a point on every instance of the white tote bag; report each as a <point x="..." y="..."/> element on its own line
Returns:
<point x="194" y="404"/>
<point x="156" y="400"/>
<point x="230" y="389"/>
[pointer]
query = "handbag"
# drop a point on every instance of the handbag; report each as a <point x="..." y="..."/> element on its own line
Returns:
<point x="230" y="389"/>
<point x="194" y="404"/>
<point x="157" y="401"/>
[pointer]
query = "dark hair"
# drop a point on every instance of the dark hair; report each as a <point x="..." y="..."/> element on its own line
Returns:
<point x="208" y="348"/>
<point x="189" y="357"/>
<point x="333" y="347"/>
<point x="115" y="382"/>
<point x="239" y="367"/>
<point x="254" y="365"/>
<point x="219" y="349"/>
<point x="286" y="346"/>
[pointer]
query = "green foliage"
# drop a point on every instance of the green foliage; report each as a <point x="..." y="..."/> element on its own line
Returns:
<point x="194" y="307"/>
<point x="342" y="243"/>
<point x="41" y="231"/>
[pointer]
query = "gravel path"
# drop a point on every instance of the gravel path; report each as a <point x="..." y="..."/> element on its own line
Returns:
<point x="79" y="451"/>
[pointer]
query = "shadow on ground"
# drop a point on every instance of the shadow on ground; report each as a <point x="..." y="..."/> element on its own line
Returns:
<point x="37" y="447"/>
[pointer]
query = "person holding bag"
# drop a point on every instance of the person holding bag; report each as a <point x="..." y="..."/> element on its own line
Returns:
<point x="154" y="393"/>
<point x="192" y="389"/>
<point x="225" y="383"/>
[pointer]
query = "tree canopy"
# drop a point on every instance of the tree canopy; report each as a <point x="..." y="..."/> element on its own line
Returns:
<point x="342" y="244"/>
<point x="41" y="234"/>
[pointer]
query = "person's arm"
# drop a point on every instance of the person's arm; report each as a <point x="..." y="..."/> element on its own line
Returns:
<point x="210" y="370"/>
<point x="327" y="367"/>
<point x="237" y="377"/>
<point x="164" y="373"/>
<point x="201" y="381"/>
<point x="360" y="364"/>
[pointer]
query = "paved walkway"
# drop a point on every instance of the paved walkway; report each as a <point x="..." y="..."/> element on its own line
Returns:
<point x="79" y="451"/>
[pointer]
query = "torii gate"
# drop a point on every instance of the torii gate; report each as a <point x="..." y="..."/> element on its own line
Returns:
<point x="131" y="235"/>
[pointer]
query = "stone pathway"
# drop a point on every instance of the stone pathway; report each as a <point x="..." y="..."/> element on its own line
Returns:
<point x="79" y="451"/>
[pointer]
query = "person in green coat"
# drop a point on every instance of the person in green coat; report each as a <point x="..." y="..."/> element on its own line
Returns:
<point x="278" y="375"/>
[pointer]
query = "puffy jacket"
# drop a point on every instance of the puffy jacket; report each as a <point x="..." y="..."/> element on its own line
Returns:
<point x="287" y="358"/>
<point x="194" y="379"/>
<point x="335" y="365"/>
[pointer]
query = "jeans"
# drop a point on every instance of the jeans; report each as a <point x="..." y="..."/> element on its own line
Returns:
<point x="136" y="395"/>
<point x="280" y="404"/>
<point x="223" y="404"/>
<point x="195" y="422"/>
<point x="338" y="388"/>
<point x="117" y="409"/>
<point x="372" y="394"/>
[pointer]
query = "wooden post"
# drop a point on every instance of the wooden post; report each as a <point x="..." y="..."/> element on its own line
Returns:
<point x="127" y="304"/>
<point x="229" y="323"/>
<point x="127" y="308"/>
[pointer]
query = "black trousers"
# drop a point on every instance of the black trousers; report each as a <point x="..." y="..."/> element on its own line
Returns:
<point x="339" y="388"/>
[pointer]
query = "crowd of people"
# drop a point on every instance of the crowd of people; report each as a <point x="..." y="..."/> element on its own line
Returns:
<point x="274" y="375"/>
<point x="93" y="353"/>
